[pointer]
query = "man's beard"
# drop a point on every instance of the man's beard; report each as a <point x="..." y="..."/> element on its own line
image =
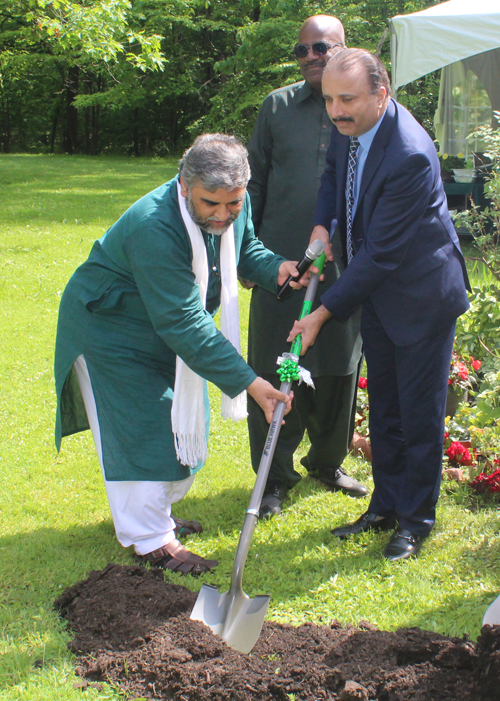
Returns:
<point x="205" y="223"/>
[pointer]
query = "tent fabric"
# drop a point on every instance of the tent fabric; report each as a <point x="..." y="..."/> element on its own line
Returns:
<point x="424" y="41"/>
<point x="463" y="105"/>
<point x="487" y="68"/>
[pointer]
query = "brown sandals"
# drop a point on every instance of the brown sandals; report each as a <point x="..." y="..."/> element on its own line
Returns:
<point x="184" y="528"/>
<point x="174" y="556"/>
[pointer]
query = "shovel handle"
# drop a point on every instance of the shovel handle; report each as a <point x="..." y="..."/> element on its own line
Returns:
<point x="308" y="300"/>
<point x="279" y="411"/>
<point x="268" y="452"/>
<point x="252" y="512"/>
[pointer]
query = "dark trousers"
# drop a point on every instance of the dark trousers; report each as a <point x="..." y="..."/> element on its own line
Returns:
<point x="407" y="387"/>
<point x="327" y="413"/>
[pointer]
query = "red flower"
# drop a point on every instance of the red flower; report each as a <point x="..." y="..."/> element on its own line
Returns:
<point x="459" y="453"/>
<point x="487" y="483"/>
<point x="454" y="450"/>
<point x="461" y="370"/>
<point x="466" y="458"/>
<point x="362" y="383"/>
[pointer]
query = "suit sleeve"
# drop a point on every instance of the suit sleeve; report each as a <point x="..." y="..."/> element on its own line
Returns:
<point x="394" y="224"/>
<point x="260" y="149"/>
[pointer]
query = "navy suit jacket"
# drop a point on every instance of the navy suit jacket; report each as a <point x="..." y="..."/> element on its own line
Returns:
<point x="408" y="261"/>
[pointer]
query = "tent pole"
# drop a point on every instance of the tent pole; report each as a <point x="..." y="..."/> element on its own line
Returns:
<point x="381" y="41"/>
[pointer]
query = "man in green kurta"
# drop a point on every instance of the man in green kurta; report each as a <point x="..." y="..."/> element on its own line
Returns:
<point x="136" y="336"/>
<point x="287" y="153"/>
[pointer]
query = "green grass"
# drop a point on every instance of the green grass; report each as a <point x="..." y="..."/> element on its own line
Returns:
<point x="55" y="522"/>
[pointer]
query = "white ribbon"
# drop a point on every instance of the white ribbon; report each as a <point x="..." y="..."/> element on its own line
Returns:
<point x="188" y="407"/>
<point x="304" y="375"/>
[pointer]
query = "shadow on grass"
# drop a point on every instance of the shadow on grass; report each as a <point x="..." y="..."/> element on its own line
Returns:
<point x="293" y="558"/>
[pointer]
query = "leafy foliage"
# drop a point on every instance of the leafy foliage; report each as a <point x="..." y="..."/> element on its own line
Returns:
<point x="99" y="30"/>
<point x="144" y="77"/>
<point x="479" y="329"/>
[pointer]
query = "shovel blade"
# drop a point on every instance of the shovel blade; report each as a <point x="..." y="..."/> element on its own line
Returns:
<point x="236" y="618"/>
<point x="492" y="615"/>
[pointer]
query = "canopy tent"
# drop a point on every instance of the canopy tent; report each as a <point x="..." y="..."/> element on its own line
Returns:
<point x="462" y="37"/>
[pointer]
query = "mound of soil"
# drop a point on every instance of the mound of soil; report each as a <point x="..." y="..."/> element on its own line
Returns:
<point x="132" y="629"/>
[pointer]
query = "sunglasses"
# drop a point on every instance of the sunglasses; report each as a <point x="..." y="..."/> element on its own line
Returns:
<point x="320" y="48"/>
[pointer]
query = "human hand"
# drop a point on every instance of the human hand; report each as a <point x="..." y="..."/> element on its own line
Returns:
<point x="267" y="397"/>
<point x="309" y="327"/>
<point x="287" y="268"/>
<point x="319" y="232"/>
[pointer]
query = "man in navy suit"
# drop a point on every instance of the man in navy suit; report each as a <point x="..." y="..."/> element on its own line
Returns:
<point x="382" y="186"/>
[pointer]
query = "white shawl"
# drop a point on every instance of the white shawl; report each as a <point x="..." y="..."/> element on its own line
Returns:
<point x="188" y="408"/>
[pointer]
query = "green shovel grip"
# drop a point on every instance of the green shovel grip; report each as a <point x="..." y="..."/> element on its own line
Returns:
<point x="308" y="301"/>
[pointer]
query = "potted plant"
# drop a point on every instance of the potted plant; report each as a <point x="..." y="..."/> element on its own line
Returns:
<point x="462" y="378"/>
<point x="485" y="483"/>
<point x="449" y="164"/>
<point x="360" y="444"/>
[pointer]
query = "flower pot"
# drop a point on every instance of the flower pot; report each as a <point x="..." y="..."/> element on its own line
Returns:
<point x="447" y="176"/>
<point x="455" y="474"/>
<point x="361" y="446"/>
<point x="453" y="398"/>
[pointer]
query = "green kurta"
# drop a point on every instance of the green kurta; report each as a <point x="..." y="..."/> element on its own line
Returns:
<point x="130" y="309"/>
<point x="287" y="153"/>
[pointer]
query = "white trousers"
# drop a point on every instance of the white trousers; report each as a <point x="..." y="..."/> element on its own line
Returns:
<point x="141" y="510"/>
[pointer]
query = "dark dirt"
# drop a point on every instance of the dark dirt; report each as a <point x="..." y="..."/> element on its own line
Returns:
<point x="132" y="630"/>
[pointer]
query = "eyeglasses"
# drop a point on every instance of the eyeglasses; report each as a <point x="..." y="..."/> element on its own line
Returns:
<point x="320" y="48"/>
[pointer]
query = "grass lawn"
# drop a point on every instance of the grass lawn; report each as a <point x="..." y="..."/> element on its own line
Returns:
<point x="55" y="522"/>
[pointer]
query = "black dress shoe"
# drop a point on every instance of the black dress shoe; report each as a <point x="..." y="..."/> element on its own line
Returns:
<point x="272" y="499"/>
<point x="366" y="522"/>
<point x="335" y="479"/>
<point x="402" y="545"/>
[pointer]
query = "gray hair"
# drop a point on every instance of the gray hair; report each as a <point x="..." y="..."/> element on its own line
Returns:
<point x="216" y="161"/>
<point x="348" y="59"/>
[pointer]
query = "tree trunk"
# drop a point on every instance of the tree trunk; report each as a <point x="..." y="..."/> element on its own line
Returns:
<point x="53" y="131"/>
<point x="6" y="126"/>
<point x="95" y="123"/>
<point x="95" y="130"/>
<point x="137" y="150"/>
<point x="71" y="136"/>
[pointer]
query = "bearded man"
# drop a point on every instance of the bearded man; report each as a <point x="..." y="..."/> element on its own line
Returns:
<point x="136" y="342"/>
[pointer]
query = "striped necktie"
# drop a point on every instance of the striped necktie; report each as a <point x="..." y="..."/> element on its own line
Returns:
<point x="351" y="169"/>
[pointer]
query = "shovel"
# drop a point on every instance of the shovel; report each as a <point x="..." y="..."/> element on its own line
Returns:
<point x="233" y="615"/>
<point x="492" y="615"/>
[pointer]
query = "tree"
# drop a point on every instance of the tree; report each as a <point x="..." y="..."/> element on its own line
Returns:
<point x="263" y="60"/>
<point x="98" y="30"/>
<point x="146" y="76"/>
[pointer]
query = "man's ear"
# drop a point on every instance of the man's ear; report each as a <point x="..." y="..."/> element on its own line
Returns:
<point x="382" y="91"/>
<point x="184" y="187"/>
